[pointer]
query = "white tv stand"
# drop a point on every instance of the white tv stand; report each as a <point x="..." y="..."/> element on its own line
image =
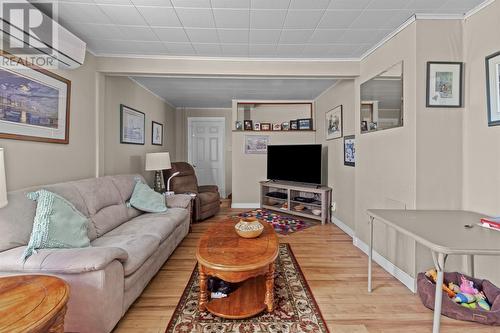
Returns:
<point x="321" y="194"/>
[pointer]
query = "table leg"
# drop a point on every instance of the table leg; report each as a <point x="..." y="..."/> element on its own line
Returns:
<point x="269" y="298"/>
<point x="439" y="262"/>
<point x="58" y="324"/>
<point x="470" y="263"/>
<point x="202" y="303"/>
<point x="370" y="254"/>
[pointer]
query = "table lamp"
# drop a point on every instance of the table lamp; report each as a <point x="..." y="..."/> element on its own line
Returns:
<point x="158" y="162"/>
<point x="3" y="183"/>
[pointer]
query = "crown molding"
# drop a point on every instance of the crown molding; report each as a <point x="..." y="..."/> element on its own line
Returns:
<point x="478" y="8"/>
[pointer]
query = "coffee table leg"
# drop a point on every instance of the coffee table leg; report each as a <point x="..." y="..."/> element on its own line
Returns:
<point x="58" y="325"/>
<point x="269" y="300"/>
<point x="202" y="303"/>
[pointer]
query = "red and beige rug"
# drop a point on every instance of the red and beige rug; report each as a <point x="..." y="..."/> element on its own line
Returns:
<point x="282" y="224"/>
<point x="295" y="311"/>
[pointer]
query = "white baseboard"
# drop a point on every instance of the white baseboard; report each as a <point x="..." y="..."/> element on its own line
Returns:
<point x="392" y="269"/>
<point x="344" y="227"/>
<point x="245" y="205"/>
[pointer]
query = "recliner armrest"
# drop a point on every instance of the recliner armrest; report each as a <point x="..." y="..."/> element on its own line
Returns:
<point x="208" y="188"/>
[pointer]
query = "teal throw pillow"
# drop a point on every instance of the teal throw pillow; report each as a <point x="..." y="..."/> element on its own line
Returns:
<point x="146" y="199"/>
<point x="57" y="224"/>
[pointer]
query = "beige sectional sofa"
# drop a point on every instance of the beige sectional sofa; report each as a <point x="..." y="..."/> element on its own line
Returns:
<point x="128" y="247"/>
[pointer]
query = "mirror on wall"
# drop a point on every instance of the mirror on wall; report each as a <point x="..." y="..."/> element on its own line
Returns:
<point x="382" y="100"/>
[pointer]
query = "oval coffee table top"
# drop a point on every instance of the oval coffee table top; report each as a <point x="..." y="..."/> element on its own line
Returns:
<point x="221" y="248"/>
<point x="28" y="302"/>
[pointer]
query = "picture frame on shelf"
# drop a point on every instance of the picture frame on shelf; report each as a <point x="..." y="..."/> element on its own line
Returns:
<point x="265" y="126"/>
<point x="248" y="125"/>
<point x="364" y="126"/>
<point x="238" y="125"/>
<point x="36" y="103"/>
<point x="276" y="127"/>
<point x="294" y="125"/>
<point x="334" y="121"/>
<point x="156" y="133"/>
<point x="444" y="84"/>
<point x="285" y="126"/>
<point x="493" y="88"/>
<point x="132" y="124"/>
<point x="349" y="150"/>
<point x="304" y="124"/>
<point x="256" y="126"/>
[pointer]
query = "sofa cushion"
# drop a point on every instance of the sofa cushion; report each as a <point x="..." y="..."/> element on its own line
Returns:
<point x="68" y="261"/>
<point x="159" y="225"/>
<point x="139" y="248"/>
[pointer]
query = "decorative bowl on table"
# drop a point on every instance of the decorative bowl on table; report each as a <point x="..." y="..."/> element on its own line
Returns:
<point x="249" y="227"/>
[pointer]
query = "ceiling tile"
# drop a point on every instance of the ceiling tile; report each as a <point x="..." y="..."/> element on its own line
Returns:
<point x="88" y="31"/>
<point x="387" y="4"/>
<point x="180" y="48"/>
<point x="230" y="4"/>
<point x="302" y="19"/>
<point x="114" y="2"/>
<point x="79" y="12"/>
<point x="208" y="50"/>
<point x="234" y="50"/>
<point x="160" y="16"/>
<point x="425" y="4"/>
<point x="159" y="3"/>
<point x="173" y="35"/>
<point x="379" y="19"/>
<point x="262" y="50"/>
<point x="349" y="4"/>
<point x="233" y="35"/>
<point x="137" y="33"/>
<point x="128" y="47"/>
<point x="363" y="36"/>
<point x="269" y="4"/>
<point x="123" y="15"/>
<point x="264" y="36"/>
<point x="196" y="18"/>
<point x="231" y="18"/>
<point x="191" y="3"/>
<point x="321" y="36"/>
<point x="342" y="51"/>
<point x="289" y="36"/>
<point x="202" y="35"/>
<point x="309" y="4"/>
<point x="290" y="50"/>
<point x="267" y="19"/>
<point x="338" y="18"/>
<point x="316" y="51"/>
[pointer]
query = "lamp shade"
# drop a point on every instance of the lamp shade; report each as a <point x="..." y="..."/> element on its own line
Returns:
<point x="3" y="183"/>
<point x="157" y="161"/>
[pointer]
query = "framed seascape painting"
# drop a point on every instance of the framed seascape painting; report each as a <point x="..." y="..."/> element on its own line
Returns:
<point x="349" y="150"/>
<point x="444" y="84"/>
<point x="334" y="123"/>
<point x="34" y="103"/>
<point x="493" y="88"/>
<point x="156" y="134"/>
<point x="132" y="123"/>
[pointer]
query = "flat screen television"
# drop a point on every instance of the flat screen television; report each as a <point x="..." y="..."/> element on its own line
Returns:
<point x="295" y="163"/>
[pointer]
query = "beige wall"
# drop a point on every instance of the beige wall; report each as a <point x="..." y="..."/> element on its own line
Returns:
<point x="182" y="115"/>
<point x="30" y="163"/>
<point x="126" y="158"/>
<point x="339" y="177"/>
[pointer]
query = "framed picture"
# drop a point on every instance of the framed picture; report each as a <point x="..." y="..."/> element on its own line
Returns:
<point x="364" y="126"/>
<point x="276" y="127"/>
<point x="132" y="123"/>
<point x="256" y="144"/>
<point x="265" y="127"/>
<point x="334" y="123"/>
<point x="444" y="84"/>
<point x="349" y="150"/>
<point x="256" y="126"/>
<point x="304" y="124"/>
<point x="285" y="126"/>
<point x="238" y="125"/>
<point x="493" y="88"/>
<point x="34" y="103"/>
<point x="156" y="134"/>
<point x="294" y="125"/>
<point x="248" y="125"/>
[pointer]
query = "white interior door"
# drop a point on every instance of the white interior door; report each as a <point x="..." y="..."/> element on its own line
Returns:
<point x="206" y="150"/>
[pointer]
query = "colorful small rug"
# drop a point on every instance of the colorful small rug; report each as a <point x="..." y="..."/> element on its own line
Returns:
<point x="296" y="310"/>
<point x="282" y="224"/>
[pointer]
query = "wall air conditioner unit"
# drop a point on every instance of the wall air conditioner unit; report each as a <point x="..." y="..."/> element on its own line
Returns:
<point x="28" y="33"/>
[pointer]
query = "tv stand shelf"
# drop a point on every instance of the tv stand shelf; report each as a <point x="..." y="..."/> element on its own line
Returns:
<point x="322" y="196"/>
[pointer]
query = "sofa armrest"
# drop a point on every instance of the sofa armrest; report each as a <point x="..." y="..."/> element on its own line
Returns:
<point x="178" y="201"/>
<point x="67" y="261"/>
<point x="208" y="188"/>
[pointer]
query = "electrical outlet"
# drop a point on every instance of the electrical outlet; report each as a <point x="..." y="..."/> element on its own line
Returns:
<point x="334" y="206"/>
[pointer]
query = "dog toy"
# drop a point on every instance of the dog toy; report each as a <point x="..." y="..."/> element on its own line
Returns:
<point x="431" y="273"/>
<point x="454" y="287"/>
<point x="464" y="298"/>
<point x="467" y="286"/>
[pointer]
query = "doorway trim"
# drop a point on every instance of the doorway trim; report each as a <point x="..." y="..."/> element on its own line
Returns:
<point x="222" y="120"/>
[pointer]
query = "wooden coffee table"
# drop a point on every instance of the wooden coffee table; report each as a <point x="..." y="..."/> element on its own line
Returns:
<point x="249" y="262"/>
<point x="32" y="303"/>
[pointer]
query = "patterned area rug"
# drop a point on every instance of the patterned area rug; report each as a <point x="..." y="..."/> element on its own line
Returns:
<point x="295" y="311"/>
<point x="282" y="224"/>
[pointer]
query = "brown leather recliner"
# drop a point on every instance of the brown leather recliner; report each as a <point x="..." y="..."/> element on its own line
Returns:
<point x="207" y="201"/>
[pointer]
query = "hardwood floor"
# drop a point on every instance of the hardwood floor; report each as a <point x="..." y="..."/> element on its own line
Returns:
<point x="336" y="271"/>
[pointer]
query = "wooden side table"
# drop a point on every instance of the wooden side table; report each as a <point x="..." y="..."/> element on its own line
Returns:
<point x="33" y="303"/>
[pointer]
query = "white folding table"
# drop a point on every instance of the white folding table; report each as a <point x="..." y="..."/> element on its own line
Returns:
<point x="445" y="233"/>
